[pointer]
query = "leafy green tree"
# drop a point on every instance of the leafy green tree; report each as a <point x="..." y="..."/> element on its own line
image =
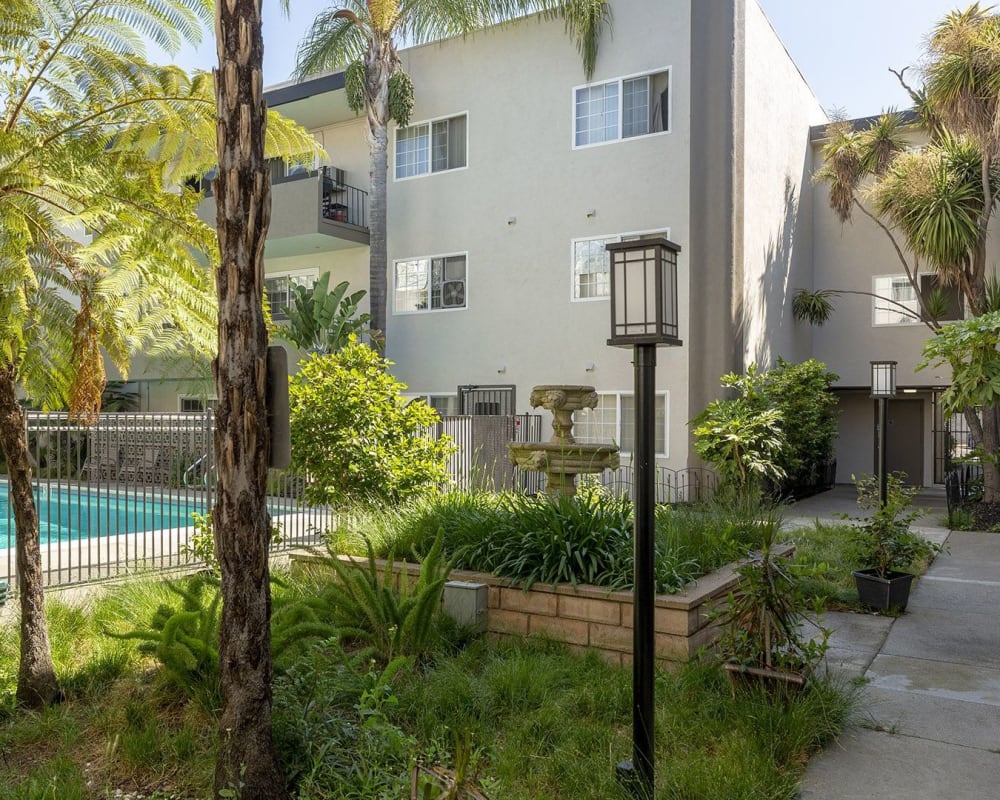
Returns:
<point x="781" y="425"/>
<point x="936" y="204"/>
<point x="972" y="349"/>
<point x="98" y="254"/>
<point x="356" y="437"/>
<point x="320" y="320"/>
<point x="364" y="35"/>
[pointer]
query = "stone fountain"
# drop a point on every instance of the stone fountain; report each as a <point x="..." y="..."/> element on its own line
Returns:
<point x="563" y="458"/>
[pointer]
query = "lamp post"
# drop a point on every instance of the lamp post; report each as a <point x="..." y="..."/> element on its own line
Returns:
<point x="883" y="387"/>
<point x="643" y="316"/>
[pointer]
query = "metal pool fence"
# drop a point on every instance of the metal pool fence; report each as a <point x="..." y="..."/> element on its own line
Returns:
<point x="121" y="496"/>
<point x="124" y="495"/>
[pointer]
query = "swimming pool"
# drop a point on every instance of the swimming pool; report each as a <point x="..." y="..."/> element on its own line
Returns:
<point x="79" y="512"/>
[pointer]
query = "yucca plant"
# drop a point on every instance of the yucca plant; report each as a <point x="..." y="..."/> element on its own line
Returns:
<point x="370" y="605"/>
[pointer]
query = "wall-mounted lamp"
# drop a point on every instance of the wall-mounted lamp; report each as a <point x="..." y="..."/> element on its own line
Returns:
<point x="512" y="220"/>
<point x="589" y="366"/>
<point x="591" y="212"/>
<point x="502" y="369"/>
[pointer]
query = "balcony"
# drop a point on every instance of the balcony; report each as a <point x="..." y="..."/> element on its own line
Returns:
<point x="311" y="211"/>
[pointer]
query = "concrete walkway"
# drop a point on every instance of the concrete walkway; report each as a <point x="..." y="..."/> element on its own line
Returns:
<point x="929" y="721"/>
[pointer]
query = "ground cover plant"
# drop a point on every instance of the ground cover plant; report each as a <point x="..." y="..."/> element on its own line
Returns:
<point x="584" y="539"/>
<point x="532" y="719"/>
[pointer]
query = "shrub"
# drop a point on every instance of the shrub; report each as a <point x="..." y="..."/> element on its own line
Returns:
<point x="185" y="639"/>
<point x="780" y="426"/>
<point x="356" y="437"/>
<point x="364" y="605"/>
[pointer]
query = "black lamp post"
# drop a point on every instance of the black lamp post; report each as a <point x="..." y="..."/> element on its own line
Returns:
<point x="883" y="387"/>
<point x="643" y="316"/>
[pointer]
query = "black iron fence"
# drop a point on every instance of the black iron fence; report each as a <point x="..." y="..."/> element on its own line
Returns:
<point x="341" y="202"/>
<point x="962" y="484"/>
<point x="126" y="495"/>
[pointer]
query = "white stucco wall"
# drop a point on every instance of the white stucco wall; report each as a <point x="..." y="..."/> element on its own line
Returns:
<point x="777" y="230"/>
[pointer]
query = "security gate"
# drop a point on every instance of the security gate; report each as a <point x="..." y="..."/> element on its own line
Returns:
<point x="486" y="401"/>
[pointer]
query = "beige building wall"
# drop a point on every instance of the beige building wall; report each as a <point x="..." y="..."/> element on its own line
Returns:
<point x="777" y="252"/>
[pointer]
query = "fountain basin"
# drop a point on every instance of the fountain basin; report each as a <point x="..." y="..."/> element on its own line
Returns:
<point x="563" y="462"/>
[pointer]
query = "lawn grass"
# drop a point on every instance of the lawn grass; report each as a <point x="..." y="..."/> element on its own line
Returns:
<point x="541" y="722"/>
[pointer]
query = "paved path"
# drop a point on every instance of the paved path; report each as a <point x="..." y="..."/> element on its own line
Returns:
<point x="929" y="724"/>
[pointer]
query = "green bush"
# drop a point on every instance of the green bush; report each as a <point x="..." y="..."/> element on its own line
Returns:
<point x="584" y="539"/>
<point x="365" y="605"/>
<point x="356" y="437"/>
<point x="780" y="426"/>
<point x="185" y="639"/>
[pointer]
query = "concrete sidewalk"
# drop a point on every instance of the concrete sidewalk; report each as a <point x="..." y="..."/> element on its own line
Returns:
<point x="929" y="725"/>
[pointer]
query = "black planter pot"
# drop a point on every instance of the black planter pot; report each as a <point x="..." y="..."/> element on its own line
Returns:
<point x="883" y="594"/>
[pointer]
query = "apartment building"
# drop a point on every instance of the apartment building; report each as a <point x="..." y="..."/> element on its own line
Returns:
<point x="515" y="172"/>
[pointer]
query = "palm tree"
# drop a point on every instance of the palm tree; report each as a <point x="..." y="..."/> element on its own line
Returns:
<point x="98" y="254"/>
<point x="363" y="37"/>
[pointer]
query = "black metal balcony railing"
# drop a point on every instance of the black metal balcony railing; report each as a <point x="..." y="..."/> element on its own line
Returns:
<point x="341" y="202"/>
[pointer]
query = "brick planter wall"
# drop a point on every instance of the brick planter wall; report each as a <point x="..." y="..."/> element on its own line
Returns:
<point x="589" y="617"/>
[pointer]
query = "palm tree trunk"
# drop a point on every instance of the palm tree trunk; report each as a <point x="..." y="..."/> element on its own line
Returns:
<point x="380" y="62"/>
<point x="246" y="760"/>
<point x="36" y="678"/>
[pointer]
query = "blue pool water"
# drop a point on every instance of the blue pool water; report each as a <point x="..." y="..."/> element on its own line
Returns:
<point x="71" y="513"/>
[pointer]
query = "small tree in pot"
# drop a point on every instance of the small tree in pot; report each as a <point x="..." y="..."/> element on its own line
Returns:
<point x="766" y="621"/>
<point x="884" y="546"/>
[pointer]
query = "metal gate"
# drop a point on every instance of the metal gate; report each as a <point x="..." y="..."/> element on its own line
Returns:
<point x="952" y="439"/>
<point x="486" y="401"/>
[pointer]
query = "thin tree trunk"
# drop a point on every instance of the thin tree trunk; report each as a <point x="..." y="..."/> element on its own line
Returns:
<point x="380" y="62"/>
<point x="246" y="760"/>
<point x="991" y="446"/>
<point x="36" y="678"/>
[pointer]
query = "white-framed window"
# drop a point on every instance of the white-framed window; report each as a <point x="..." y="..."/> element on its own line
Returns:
<point x="279" y="289"/>
<point x="621" y="108"/>
<point x="430" y="283"/>
<point x="898" y="289"/>
<point x="435" y="145"/>
<point x="613" y="420"/>
<point x="592" y="263"/>
<point x="188" y="404"/>
<point x="445" y="403"/>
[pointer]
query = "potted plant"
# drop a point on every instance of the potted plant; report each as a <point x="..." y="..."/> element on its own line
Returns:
<point x="766" y="622"/>
<point x="884" y="546"/>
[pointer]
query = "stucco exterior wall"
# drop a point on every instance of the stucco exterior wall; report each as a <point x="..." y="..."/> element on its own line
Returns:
<point x="516" y="83"/>
<point x="777" y="208"/>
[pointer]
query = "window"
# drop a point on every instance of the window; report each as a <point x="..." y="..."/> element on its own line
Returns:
<point x="898" y="288"/>
<point x="621" y="109"/>
<point x="592" y="263"/>
<point x="434" y="146"/>
<point x="190" y="405"/>
<point x="613" y="420"/>
<point x="436" y="283"/>
<point x="445" y="404"/>
<point x="279" y="290"/>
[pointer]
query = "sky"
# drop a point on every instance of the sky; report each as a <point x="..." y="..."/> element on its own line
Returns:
<point x="843" y="48"/>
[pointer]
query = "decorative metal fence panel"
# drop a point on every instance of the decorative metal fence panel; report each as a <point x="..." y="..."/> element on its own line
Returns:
<point x="123" y="495"/>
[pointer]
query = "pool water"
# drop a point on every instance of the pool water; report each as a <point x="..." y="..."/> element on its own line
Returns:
<point x="73" y="513"/>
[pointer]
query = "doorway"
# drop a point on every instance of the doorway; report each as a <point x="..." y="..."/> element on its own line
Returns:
<point x="905" y="439"/>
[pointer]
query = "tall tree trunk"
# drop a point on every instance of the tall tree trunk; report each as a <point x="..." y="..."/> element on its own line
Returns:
<point x="380" y="62"/>
<point x="36" y="678"/>
<point x="246" y="759"/>
<point x="991" y="448"/>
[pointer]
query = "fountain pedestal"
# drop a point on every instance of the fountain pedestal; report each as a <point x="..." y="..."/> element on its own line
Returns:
<point x="562" y="458"/>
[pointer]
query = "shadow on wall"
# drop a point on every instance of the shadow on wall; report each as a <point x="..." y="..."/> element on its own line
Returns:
<point x="773" y="326"/>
